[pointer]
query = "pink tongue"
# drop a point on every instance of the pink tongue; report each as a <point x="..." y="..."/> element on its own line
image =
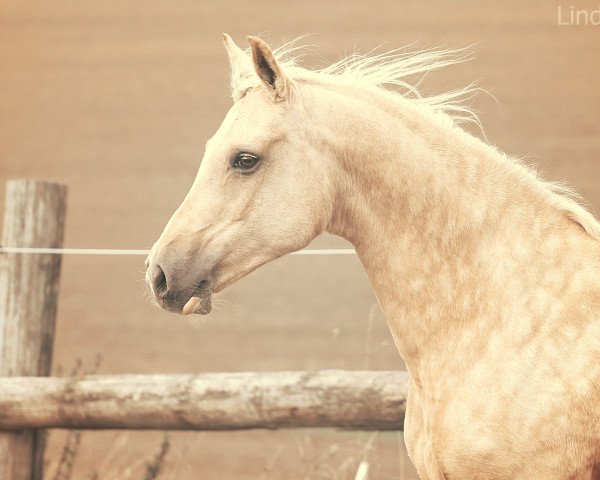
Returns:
<point x="191" y="306"/>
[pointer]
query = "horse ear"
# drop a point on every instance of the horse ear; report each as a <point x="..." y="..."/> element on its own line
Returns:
<point x="235" y="53"/>
<point x="240" y="64"/>
<point x="267" y="68"/>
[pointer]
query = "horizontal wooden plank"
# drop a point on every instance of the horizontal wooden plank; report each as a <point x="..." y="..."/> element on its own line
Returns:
<point x="370" y="400"/>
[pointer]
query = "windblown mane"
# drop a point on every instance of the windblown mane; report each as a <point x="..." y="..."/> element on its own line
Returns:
<point x="390" y="71"/>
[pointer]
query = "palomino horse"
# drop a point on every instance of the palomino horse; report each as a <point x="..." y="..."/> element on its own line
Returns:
<point x="488" y="276"/>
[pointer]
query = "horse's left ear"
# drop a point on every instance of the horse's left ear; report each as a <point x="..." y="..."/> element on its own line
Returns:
<point x="268" y="70"/>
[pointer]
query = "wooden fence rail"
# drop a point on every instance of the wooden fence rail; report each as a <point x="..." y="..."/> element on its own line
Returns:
<point x="211" y="401"/>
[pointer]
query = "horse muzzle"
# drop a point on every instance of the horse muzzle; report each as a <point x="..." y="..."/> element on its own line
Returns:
<point x="176" y="291"/>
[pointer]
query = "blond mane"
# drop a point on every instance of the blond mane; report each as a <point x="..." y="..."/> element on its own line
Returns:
<point x="391" y="71"/>
<point x="387" y="70"/>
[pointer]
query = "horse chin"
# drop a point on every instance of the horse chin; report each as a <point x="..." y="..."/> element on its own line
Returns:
<point x="201" y="305"/>
<point x="206" y="306"/>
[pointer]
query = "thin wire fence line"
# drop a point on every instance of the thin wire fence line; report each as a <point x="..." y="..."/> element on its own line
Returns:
<point x="125" y="251"/>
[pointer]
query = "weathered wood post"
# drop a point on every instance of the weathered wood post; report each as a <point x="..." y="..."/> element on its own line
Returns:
<point x="34" y="216"/>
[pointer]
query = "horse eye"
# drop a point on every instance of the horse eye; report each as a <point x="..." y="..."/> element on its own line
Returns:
<point x="245" y="161"/>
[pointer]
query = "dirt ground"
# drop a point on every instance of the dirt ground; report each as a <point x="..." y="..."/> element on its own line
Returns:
<point x="117" y="98"/>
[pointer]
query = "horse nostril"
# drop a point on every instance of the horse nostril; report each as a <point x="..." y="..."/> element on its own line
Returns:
<point x="159" y="281"/>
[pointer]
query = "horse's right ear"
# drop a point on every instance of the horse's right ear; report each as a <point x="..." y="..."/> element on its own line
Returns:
<point x="240" y="64"/>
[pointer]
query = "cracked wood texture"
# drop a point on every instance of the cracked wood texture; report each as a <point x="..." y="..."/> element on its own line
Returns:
<point x="215" y="401"/>
<point x="34" y="217"/>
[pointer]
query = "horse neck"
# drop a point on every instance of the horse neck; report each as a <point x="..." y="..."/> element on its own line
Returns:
<point x="442" y="223"/>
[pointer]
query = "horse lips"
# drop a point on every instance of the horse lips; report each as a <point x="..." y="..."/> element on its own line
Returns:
<point x="191" y="306"/>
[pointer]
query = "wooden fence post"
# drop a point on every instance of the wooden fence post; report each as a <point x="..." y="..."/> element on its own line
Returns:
<point x="34" y="217"/>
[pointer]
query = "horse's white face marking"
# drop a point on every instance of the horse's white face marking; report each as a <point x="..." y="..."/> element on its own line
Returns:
<point x="235" y="219"/>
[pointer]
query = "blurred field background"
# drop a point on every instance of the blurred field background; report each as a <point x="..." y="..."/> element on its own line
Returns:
<point x="117" y="98"/>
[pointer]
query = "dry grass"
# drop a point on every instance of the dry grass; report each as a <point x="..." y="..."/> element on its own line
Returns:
<point x="339" y="462"/>
<point x="62" y="468"/>
<point x="154" y="468"/>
